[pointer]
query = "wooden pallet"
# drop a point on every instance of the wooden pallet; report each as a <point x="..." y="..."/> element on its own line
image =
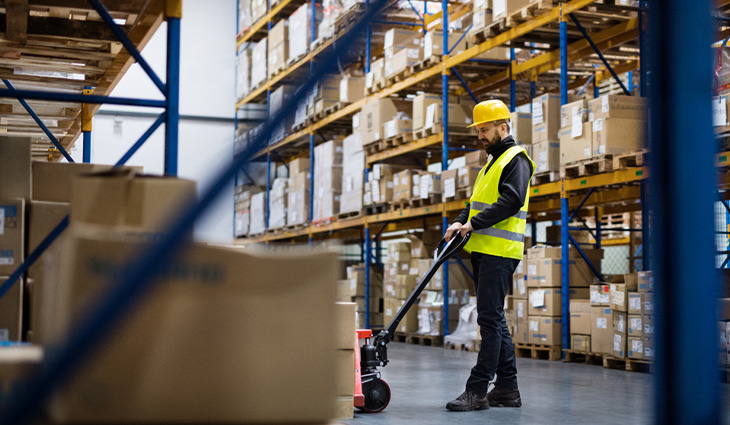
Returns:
<point x="320" y="42"/>
<point x="295" y="227"/>
<point x="349" y="215"/>
<point x="632" y="159"/>
<point x="398" y="77"/>
<point x="515" y="18"/>
<point x="425" y="64"/>
<point x="588" y="167"/>
<point x="545" y="177"/>
<point x="334" y="108"/>
<point x="431" y="200"/>
<point x="472" y="346"/>
<point x="376" y="209"/>
<point x="348" y="18"/>
<point x="583" y="357"/>
<point x="281" y="68"/>
<point x="537" y="351"/>
<point x="397" y="140"/>
<point x="400" y="205"/>
<point x="432" y="340"/>
<point x="463" y="193"/>
<point x="295" y="59"/>
<point x="630" y="365"/>
<point x="399" y="337"/>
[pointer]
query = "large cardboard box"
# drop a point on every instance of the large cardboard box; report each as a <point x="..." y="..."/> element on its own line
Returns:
<point x="448" y="184"/>
<point x="547" y="272"/>
<point x="467" y="176"/>
<point x="645" y="281"/>
<point x="502" y="8"/>
<point x="574" y="113"/>
<point x="521" y="308"/>
<point x="648" y="322"/>
<point x="620" y="321"/>
<point x="521" y="331"/>
<point x="580" y="343"/>
<point x="545" y="330"/>
<point x="548" y="302"/>
<point x="279" y="33"/>
<point x="277" y="56"/>
<point x="636" y="325"/>
<point x="635" y="347"/>
<point x="210" y="301"/>
<point x="617" y="135"/>
<point x="600" y="295"/>
<point x="519" y="286"/>
<point x="521" y="128"/>
<point x="352" y="89"/>
<point x="580" y="317"/>
<point x="12" y="235"/>
<point x="618" y="106"/>
<point x="576" y="145"/>
<point x="545" y="118"/>
<point x="648" y="343"/>
<point x="477" y="158"/>
<point x="11" y="312"/>
<point x="15" y="168"/>
<point x="300" y="28"/>
<point x="546" y="155"/>
<point x="619" y="345"/>
<point x="401" y="60"/>
<point x="620" y="296"/>
<point x="420" y="107"/>
<point x="377" y="112"/>
<point x="641" y="303"/>
<point x="410" y="321"/>
<point x="344" y="365"/>
<point x="52" y="180"/>
<point x="119" y="199"/>
<point x="601" y="330"/>
<point x="259" y="62"/>
<point x="345" y="326"/>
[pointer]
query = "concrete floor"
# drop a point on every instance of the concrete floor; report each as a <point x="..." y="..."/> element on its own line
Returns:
<point x="423" y="379"/>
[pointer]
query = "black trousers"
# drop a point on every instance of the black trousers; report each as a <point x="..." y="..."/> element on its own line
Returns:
<point x="492" y="279"/>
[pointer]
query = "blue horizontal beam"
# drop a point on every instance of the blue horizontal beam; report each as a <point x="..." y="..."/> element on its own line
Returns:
<point x="80" y="98"/>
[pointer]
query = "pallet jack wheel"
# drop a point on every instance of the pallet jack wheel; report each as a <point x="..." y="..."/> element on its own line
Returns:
<point x="377" y="396"/>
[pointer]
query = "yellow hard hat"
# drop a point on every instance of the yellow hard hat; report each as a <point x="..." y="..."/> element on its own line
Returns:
<point x="490" y="110"/>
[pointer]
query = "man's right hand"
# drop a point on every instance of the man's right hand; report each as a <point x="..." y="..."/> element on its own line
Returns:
<point x="451" y="230"/>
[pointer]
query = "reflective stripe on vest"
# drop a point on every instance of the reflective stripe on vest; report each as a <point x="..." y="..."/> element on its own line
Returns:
<point x="506" y="238"/>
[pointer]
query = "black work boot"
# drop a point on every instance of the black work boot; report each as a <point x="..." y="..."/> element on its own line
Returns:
<point x="467" y="402"/>
<point x="504" y="398"/>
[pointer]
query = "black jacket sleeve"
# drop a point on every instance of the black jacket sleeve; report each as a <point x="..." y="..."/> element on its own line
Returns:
<point x="513" y="186"/>
<point x="463" y="216"/>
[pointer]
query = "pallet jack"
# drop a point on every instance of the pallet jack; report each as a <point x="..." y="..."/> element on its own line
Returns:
<point x="372" y="394"/>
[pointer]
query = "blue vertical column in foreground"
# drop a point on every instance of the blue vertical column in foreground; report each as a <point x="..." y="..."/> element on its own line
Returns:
<point x="172" y="113"/>
<point x="86" y="124"/>
<point x="445" y="148"/>
<point x="564" y="212"/>
<point x="682" y="184"/>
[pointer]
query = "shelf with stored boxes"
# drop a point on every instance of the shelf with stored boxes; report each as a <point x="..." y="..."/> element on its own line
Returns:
<point x="70" y="50"/>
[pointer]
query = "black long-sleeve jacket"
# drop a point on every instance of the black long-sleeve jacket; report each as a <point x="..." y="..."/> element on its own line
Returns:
<point x="513" y="186"/>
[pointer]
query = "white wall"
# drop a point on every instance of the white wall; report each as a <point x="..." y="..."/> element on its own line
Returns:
<point x="207" y="78"/>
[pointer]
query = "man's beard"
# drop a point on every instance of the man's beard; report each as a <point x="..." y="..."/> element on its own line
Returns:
<point x="491" y="143"/>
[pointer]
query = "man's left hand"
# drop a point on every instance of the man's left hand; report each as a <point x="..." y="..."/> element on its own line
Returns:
<point x="466" y="228"/>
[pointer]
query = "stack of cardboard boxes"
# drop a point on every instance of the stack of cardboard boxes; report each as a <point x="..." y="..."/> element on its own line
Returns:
<point x="428" y="115"/>
<point x="278" y="197"/>
<point x="545" y="136"/>
<point x="402" y="49"/>
<point x="375" y="114"/>
<point x="398" y="284"/>
<point x="640" y="331"/>
<point x="258" y="63"/>
<point x="576" y="132"/>
<point x="352" y="289"/>
<point x="257" y="225"/>
<point x="380" y="186"/>
<point x="345" y="322"/>
<point x="300" y="30"/>
<point x="258" y="9"/>
<point x="460" y="181"/>
<point x="243" y="209"/>
<point x="298" y="196"/>
<point x="279" y="101"/>
<point x="243" y="71"/>
<point x="353" y="174"/>
<point x="541" y="278"/>
<point x="327" y="179"/>
<point x="278" y="47"/>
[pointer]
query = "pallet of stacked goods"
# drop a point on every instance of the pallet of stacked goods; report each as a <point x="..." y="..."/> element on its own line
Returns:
<point x="298" y="194"/>
<point x="543" y="271"/>
<point x="546" y="119"/>
<point x="457" y="183"/>
<point x="429" y="122"/>
<point x="243" y="71"/>
<point x="373" y="117"/>
<point x="352" y="289"/>
<point x="300" y="30"/>
<point x="379" y="190"/>
<point x="506" y="14"/>
<point x="401" y="50"/>
<point x="617" y="129"/>
<point x="328" y="181"/>
<point x="243" y="209"/>
<point x="259" y="63"/>
<point x="278" y="48"/>
<point x="353" y="177"/>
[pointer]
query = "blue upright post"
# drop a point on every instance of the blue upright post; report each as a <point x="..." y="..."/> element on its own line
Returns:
<point x="86" y="125"/>
<point x="172" y="111"/>
<point x="630" y="76"/>
<point x="368" y="37"/>
<point x="598" y="228"/>
<point x="311" y="177"/>
<point x="512" y="81"/>
<point x="368" y="260"/>
<point x="596" y="92"/>
<point x="268" y="187"/>
<point x="563" y="56"/>
<point x="565" y="265"/>
<point x="643" y="66"/>
<point x="682" y="196"/>
<point x="445" y="148"/>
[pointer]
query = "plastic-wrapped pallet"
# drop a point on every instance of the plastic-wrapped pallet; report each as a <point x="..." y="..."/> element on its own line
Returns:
<point x="331" y="9"/>
<point x="244" y="15"/>
<point x="279" y="98"/>
<point x="243" y="211"/>
<point x="258" y="64"/>
<point x="258" y="9"/>
<point x="277" y="203"/>
<point x="327" y="179"/>
<point x="258" y="214"/>
<point x="298" y="199"/>
<point x="353" y="170"/>
<point x="466" y="330"/>
<point x="243" y="72"/>
<point x="300" y="30"/>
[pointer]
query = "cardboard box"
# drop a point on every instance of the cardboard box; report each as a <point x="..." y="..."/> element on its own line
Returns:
<point x="580" y="343"/>
<point x="396" y="127"/>
<point x="617" y="135"/>
<point x="459" y="115"/>
<point x="548" y="302"/>
<point x="521" y="128"/>
<point x="467" y="176"/>
<point x="620" y="321"/>
<point x="574" y="113"/>
<point x="401" y="60"/>
<point x="635" y="347"/>
<point x="300" y="28"/>
<point x="449" y="184"/>
<point x="636" y="325"/>
<point x="502" y="8"/>
<point x="576" y="145"/>
<point x="277" y="58"/>
<point x="620" y="296"/>
<point x="521" y="308"/>
<point x="15" y="168"/>
<point x="11" y="312"/>
<point x="619" y="345"/>
<point x="481" y="18"/>
<point x="259" y="62"/>
<point x="429" y="185"/>
<point x="433" y="43"/>
<point x="405" y="284"/>
<point x="399" y="38"/>
<point x="279" y="33"/>
<point x="172" y="330"/>
<point x="52" y="180"/>
<point x="547" y="273"/>
<point x="344" y="326"/>
<point x="352" y="89"/>
<point x="520" y="335"/>
<point x="545" y="118"/>
<point x="648" y="322"/>
<point x="645" y="281"/>
<point x="647" y="306"/>
<point x="377" y="112"/>
<point x="545" y="330"/>
<point x="600" y="295"/>
<point x="12" y="235"/>
<point x="580" y="323"/>
<point x="618" y="106"/>
<point x="299" y="165"/>
<point x="601" y="330"/>
<point x="344" y="369"/>
<point x="115" y="198"/>
<point x="391" y="306"/>
<point x="546" y="155"/>
<point x="641" y="303"/>
<point x="648" y="343"/>
<point x="519" y="286"/>
<point x="477" y="158"/>
<point x="420" y="108"/>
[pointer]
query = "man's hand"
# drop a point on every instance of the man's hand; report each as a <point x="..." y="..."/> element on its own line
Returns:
<point x="456" y="227"/>
<point x="466" y="229"/>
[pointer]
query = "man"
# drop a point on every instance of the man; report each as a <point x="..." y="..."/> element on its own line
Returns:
<point x="496" y="218"/>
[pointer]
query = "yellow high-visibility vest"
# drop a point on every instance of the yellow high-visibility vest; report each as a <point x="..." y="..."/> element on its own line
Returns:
<point x="506" y="238"/>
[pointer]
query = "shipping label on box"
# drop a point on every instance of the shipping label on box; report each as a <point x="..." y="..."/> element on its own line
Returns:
<point x="12" y="235"/>
<point x="600" y="295"/>
<point x="645" y="281"/>
<point x="635" y="348"/>
<point x="619" y="345"/>
<point x="636" y="325"/>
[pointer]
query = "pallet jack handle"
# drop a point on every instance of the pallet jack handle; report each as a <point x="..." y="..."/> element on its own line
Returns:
<point x="444" y="250"/>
